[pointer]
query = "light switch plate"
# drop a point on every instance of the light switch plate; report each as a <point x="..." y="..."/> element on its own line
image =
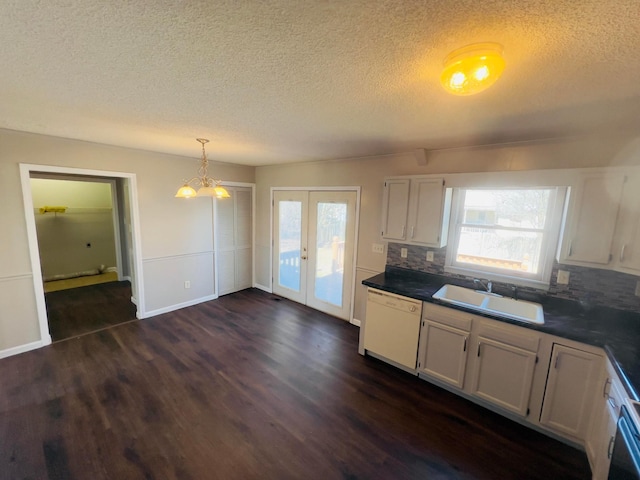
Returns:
<point x="429" y="256"/>
<point x="403" y="252"/>
<point x="563" y="277"/>
<point x="377" y="248"/>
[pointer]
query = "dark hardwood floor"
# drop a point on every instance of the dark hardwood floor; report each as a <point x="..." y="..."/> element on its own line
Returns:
<point x="81" y="310"/>
<point x="248" y="386"/>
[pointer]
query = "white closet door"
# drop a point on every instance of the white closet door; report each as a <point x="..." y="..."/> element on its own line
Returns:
<point x="234" y="227"/>
<point x="244" y="239"/>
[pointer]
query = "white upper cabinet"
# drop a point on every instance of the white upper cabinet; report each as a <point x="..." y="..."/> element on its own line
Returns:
<point x="603" y="222"/>
<point x="395" y="209"/>
<point x="626" y="249"/>
<point x="591" y="221"/>
<point x="416" y="210"/>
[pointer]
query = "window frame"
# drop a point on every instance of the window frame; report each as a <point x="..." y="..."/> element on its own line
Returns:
<point x="550" y="238"/>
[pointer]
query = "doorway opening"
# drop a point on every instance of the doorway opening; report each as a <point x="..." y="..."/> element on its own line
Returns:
<point x="79" y="225"/>
<point x="314" y="247"/>
<point x="82" y="228"/>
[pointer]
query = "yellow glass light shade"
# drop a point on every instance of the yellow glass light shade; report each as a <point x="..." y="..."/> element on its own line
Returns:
<point x="217" y="191"/>
<point x="206" y="192"/>
<point x="221" y="192"/>
<point x="185" y="191"/>
<point x="472" y="69"/>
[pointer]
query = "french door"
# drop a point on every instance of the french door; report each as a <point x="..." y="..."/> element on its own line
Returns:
<point x="314" y="237"/>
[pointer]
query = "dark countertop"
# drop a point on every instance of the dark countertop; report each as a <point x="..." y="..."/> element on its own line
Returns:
<point x="617" y="331"/>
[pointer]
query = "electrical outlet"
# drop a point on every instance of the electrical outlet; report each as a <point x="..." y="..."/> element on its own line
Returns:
<point x="187" y="284"/>
<point x="377" y="248"/>
<point x="563" y="277"/>
<point x="429" y="256"/>
<point x="403" y="252"/>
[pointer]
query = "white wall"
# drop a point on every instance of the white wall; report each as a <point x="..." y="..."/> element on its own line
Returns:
<point x="63" y="238"/>
<point x="176" y="234"/>
<point x="369" y="173"/>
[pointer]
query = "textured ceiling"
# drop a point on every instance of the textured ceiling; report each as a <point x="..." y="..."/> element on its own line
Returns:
<point x="284" y="81"/>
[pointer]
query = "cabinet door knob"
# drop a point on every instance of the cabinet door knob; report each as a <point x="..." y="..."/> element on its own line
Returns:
<point x="464" y="347"/>
<point x="303" y="257"/>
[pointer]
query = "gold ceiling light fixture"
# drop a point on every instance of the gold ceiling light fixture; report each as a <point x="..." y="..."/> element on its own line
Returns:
<point x="473" y="68"/>
<point x="209" y="186"/>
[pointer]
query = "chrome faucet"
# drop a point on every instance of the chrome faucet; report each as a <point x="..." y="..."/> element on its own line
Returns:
<point x="486" y="285"/>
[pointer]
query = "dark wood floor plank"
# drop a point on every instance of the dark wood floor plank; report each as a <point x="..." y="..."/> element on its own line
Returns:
<point x="81" y="310"/>
<point x="248" y="386"/>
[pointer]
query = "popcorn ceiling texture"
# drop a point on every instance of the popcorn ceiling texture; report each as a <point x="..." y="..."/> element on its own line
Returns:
<point x="589" y="286"/>
<point x="287" y="81"/>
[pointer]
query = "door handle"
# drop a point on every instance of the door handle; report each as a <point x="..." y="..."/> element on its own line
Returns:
<point x="624" y="246"/>
<point x="610" y="447"/>
<point x="605" y="391"/>
<point x="464" y="347"/>
<point x="412" y="228"/>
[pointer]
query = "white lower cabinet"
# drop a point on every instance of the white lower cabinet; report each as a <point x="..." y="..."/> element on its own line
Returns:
<point x="599" y="444"/>
<point x="571" y="391"/>
<point x="551" y="383"/>
<point x="444" y="344"/>
<point x="504" y="368"/>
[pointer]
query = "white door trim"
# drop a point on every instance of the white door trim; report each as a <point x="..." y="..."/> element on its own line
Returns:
<point x="25" y="172"/>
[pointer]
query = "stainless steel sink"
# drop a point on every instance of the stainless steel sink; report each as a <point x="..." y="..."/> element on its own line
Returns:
<point x="491" y="303"/>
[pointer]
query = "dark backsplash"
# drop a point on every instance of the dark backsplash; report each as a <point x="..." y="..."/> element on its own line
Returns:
<point x="589" y="286"/>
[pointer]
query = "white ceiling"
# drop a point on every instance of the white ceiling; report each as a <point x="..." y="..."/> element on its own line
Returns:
<point x="283" y="81"/>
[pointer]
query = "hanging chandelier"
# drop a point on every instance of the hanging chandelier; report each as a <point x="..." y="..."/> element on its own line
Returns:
<point x="209" y="186"/>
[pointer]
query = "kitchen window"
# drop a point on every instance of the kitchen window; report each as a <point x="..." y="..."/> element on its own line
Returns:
<point x="506" y="234"/>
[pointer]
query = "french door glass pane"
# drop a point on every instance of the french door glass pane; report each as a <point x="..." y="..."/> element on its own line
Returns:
<point x="331" y="234"/>
<point x="290" y="236"/>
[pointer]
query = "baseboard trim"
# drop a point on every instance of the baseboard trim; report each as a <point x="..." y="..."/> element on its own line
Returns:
<point x="177" y="306"/>
<point x="9" y="352"/>
<point x="262" y="287"/>
<point x="356" y="322"/>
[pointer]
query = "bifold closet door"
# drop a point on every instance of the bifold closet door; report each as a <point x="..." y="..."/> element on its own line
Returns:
<point x="234" y="240"/>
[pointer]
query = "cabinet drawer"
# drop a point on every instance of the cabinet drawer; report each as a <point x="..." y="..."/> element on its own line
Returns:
<point x="510" y="335"/>
<point x="447" y="316"/>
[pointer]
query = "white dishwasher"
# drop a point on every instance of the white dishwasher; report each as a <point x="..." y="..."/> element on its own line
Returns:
<point x="392" y="327"/>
